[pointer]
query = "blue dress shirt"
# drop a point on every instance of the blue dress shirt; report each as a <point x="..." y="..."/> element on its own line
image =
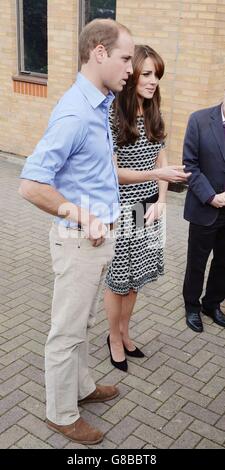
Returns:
<point x="75" y="153"/>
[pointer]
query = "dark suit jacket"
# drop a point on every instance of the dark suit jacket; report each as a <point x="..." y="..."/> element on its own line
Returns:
<point x="204" y="156"/>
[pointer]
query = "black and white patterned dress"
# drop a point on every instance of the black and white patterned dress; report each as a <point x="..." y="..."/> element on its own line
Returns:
<point x="139" y="250"/>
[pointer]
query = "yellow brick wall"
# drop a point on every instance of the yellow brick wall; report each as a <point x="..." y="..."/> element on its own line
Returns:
<point x="23" y="118"/>
<point x="189" y="34"/>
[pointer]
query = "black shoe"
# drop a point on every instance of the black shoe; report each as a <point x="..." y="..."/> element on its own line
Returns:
<point x="194" y="321"/>
<point x="216" y="314"/>
<point x="122" y="365"/>
<point x="135" y="353"/>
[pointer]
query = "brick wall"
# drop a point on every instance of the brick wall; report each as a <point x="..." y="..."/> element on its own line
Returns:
<point x="190" y="36"/>
<point x="23" y="117"/>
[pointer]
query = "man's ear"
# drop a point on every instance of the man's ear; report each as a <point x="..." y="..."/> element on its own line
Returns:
<point x="100" y="53"/>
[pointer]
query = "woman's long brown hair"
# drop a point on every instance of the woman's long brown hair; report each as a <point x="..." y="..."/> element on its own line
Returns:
<point x="126" y="103"/>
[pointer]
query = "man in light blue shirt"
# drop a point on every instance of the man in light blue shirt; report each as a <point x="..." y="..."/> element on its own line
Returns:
<point x="75" y="154"/>
<point x="71" y="175"/>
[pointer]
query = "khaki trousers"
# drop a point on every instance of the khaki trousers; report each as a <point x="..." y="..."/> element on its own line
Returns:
<point x="78" y="269"/>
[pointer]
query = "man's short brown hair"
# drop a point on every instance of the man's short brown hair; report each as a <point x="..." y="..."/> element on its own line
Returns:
<point x="99" y="31"/>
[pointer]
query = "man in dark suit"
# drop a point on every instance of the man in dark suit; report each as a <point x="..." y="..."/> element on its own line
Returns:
<point x="204" y="157"/>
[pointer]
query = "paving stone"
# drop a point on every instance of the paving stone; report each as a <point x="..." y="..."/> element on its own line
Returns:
<point x="34" y="374"/>
<point x="171" y="407"/>
<point x="176" y="343"/>
<point x="36" y="335"/>
<point x="14" y="343"/>
<point x="208" y="431"/>
<point x="12" y="356"/>
<point x="31" y="442"/>
<point x="203" y="414"/>
<point x="12" y="369"/>
<point x="160" y="375"/>
<point x="139" y="384"/>
<point x="12" y="384"/>
<point x="35" y="426"/>
<point x="177" y="425"/>
<point x="156" y="361"/>
<point x="132" y="442"/>
<point x="193" y="396"/>
<point x="164" y="391"/>
<point x="206" y="444"/>
<point x="58" y="441"/>
<point x="221" y="423"/>
<point x="34" y="360"/>
<point x="215" y="349"/>
<point x="214" y="387"/>
<point x="206" y="372"/>
<point x="213" y="338"/>
<point x="34" y="390"/>
<point x="97" y="410"/>
<point x="221" y="373"/>
<point x="118" y="411"/>
<point x="35" y="347"/>
<point x="158" y="439"/>
<point x="176" y="353"/>
<point x="10" y="418"/>
<point x="147" y="402"/>
<point x="12" y="435"/>
<point x="148" y="418"/>
<point x="123" y="429"/>
<point x="184" y="379"/>
<point x="188" y="440"/>
<point x="13" y="332"/>
<point x="200" y="358"/>
<point x="218" y="360"/>
<point x="34" y="406"/>
<point x="181" y="366"/>
<point x="97" y="421"/>
<point x="137" y="370"/>
<point x="11" y="400"/>
<point x="218" y="404"/>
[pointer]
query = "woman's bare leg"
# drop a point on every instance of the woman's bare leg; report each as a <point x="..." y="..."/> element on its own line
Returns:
<point x="128" y="303"/>
<point x="113" y="307"/>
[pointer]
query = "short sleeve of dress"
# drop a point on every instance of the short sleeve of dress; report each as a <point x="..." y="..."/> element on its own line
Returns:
<point x="113" y="128"/>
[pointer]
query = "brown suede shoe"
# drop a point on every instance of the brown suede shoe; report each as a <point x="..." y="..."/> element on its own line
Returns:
<point x="79" y="431"/>
<point x="101" y="393"/>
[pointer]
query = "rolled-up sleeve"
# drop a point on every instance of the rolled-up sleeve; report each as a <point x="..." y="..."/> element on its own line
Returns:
<point x="62" y="138"/>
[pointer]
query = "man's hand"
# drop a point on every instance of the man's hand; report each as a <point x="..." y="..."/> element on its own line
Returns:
<point x="218" y="200"/>
<point x="93" y="228"/>
<point x="172" y="174"/>
<point x="95" y="231"/>
<point x="154" y="212"/>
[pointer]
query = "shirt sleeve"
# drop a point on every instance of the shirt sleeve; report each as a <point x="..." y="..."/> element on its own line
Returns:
<point x="62" y="138"/>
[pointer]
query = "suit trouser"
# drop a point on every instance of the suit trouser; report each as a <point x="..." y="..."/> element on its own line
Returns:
<point x="202" y="240"/>
<point x="78" y="269"/>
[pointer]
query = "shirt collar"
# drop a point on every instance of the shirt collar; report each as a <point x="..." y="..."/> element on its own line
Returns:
<point x="222" y="113"/>
<point x="93" y="94"/>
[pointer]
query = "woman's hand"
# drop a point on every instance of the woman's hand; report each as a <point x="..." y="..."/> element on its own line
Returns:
<point x="154" y="212"/>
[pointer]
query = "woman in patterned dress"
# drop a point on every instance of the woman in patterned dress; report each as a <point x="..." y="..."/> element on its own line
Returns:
<point x="138" y="134"/>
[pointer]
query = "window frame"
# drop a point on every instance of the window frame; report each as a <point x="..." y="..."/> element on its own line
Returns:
<point x="20" y="45"/>
<point x="82" y="13"/>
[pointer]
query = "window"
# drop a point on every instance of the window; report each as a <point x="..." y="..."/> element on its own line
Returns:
<point x="32" y="37"/>
<point x="90" y="9"/>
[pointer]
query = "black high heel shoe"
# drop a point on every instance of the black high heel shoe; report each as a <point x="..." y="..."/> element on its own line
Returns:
<point x="122" y="365"/>
<point x="135" y="353"/>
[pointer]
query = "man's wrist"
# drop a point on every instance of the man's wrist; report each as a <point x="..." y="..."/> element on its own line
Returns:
<point x="210" y="199"/>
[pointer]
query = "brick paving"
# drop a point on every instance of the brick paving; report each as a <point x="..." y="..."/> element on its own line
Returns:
<point x="172" y="398"/>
